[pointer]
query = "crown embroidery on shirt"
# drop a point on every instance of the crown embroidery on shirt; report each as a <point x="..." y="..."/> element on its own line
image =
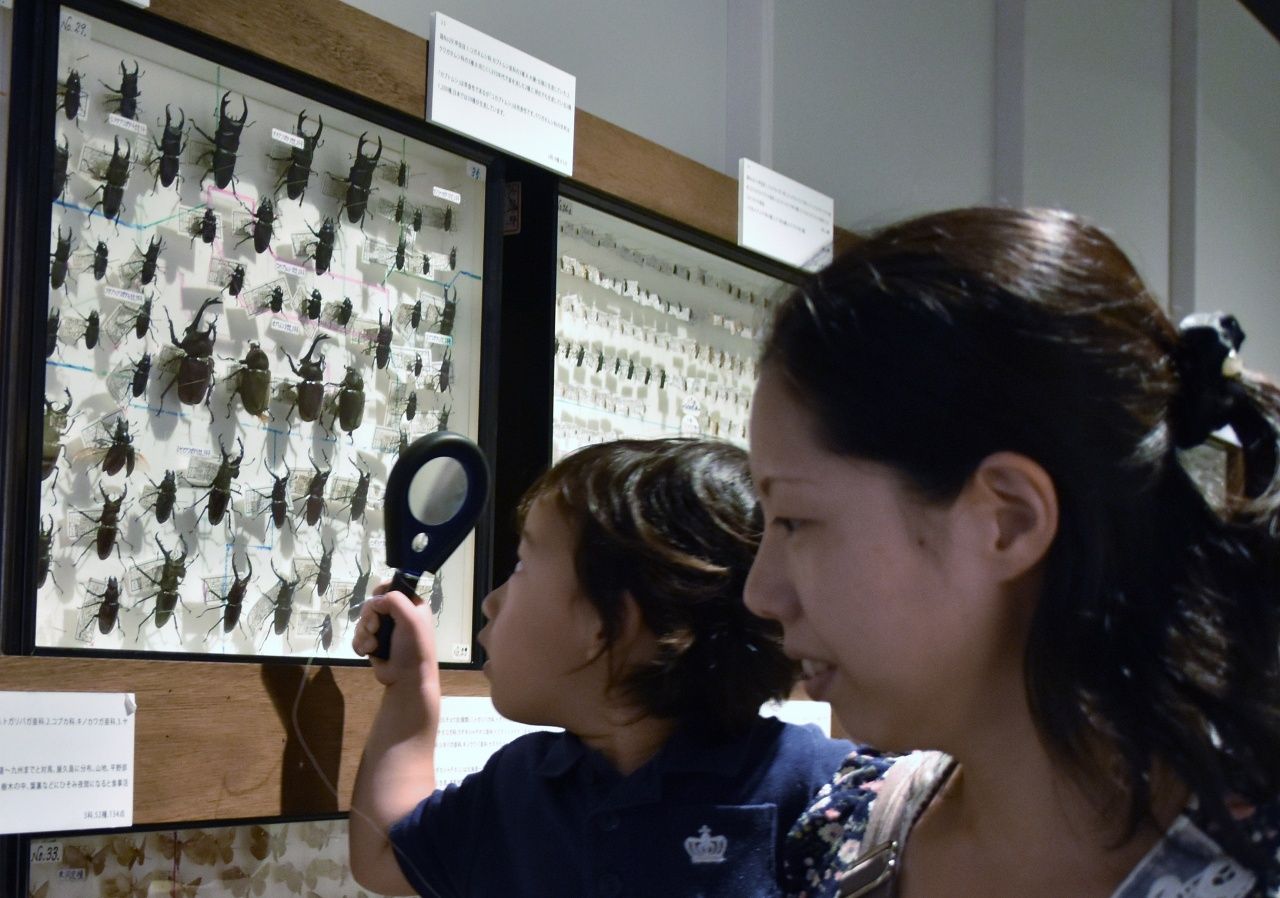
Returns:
<point x="706" y="848"/>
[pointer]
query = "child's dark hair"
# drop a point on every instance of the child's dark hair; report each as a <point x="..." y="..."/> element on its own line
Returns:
<point x="941" y="340"/>
<point x="675" y="524"/>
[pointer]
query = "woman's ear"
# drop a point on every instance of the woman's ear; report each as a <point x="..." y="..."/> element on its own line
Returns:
<point x="1016" y="506"/>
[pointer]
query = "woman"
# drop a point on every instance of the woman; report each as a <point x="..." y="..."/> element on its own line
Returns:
<point x="981" y="540"/>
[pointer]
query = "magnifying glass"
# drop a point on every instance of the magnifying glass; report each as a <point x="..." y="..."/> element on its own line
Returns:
<point x="435" y="493"/>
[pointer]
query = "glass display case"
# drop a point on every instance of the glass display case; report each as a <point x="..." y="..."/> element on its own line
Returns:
<point x="654" y="335"/>
<point x="256" y="298"/>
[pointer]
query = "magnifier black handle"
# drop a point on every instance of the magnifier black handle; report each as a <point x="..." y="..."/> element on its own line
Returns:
<point x="400" y="582"/>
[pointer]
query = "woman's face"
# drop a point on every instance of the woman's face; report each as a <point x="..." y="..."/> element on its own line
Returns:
<point x="883" y="597"/>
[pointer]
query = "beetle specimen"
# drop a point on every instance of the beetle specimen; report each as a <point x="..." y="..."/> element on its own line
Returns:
<point x="324" y="568"/>
<point x="141" y="322"/>
<point x="411" y="405"/>
<point x="164" y="493"/>
<point x="61" y="159"/>
<point x="436" y="598"/>
<point x="382" y="343"/>
<point x="315" y="493"/>
<point x="415" y="314"/>
<point x="235" y="283"/>
<point x="108" y="523"/>
<point x="444" y="324"/>
<point x="355" y="598"/>
<point x="58" y="260"/>
<point x="453" y="259"/>
<point x="322" y="250"/>
<point x="118" y="449"/>
<point x="417" y="364"/>
<point x="226" y="142"/>
<point x="444" y="379"/>
<point x="141" y="372"/>
<point x="56" y="425"/>
<point x="312" y="307"/>
<point x="343" y="315"/>
<point x="326" y="640"/>
<point x="442" y="418"/>
<point x="72" y="93"/>
<point x="279" y="498"/>
<point x="252" y="382"/>
<point x="170" y="146"/>
<point x="222" y="485"/>
<point x="206" y="228"/>
<point x="360" y="181"/>
<point x="417" y="220"/>
<point x="233" y="601"/>
<point x="298" y="172"/>
<point x="127" y="93"/>
<point x="360" y="495"/>
<point x="400" y="251"/>
<point x="309" y="391"/>
<point x="263" y="226"/>
<point x="44" y="552"/>
<point x="150" y="260"/>
<point x="349" y="403"/>
<point x="115" y="177"/>
<point x="100" y="259"/>
<point x="172" y="573"/>
<point x="275" y="301"/>
<point x="195" y="358"/>
<point x="283" y="602"/>
<point x="108" y="606"/>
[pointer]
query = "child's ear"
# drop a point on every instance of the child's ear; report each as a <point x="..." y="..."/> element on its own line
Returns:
<point x="1014" y="504"/>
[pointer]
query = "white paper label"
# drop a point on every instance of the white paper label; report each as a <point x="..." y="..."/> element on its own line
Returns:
<point x="75" y="26"/>
<point x="285" y="268"/>
<point x="500" y="95"/>
<point x="782" y="218"/>
<point x="461" y="651"/>
<point x="66" y="760"/>
<point x="120" y="293"/>
<point x="128" y="124"/>
<point x="292" y="140"/>
<point x="470" y="731"/>
<point x="450" y="195"/>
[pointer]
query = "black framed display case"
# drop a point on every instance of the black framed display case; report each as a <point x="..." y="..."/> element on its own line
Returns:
<point x="238" y="292"/>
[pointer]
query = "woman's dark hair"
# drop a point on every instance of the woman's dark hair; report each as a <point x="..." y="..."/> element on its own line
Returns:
<point x="941" y="340"/>
<point x="675" y="524"/>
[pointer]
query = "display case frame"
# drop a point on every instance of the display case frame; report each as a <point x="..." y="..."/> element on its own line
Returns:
<point x="22" y="405"/>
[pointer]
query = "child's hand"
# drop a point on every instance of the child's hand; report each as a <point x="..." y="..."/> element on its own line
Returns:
<point x="413" y="643"/>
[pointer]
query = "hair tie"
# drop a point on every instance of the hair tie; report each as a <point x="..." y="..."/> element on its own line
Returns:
<point x="1212" y="395"/>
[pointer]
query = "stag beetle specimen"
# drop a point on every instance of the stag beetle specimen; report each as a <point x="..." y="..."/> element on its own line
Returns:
<point x="108" y="606"/>
<point x="235" y="283"/>
<point x="117" y="450"/>
<point x="313" y="305"/>
<point x="195" y="358"/>
<point x="127" y="93"/>
<point x="171" y="145"/>
<point x="309" y="391"/>
<point x="166" y="491"/>
<point x="233" y="601"/>
<point x="448" y="312"/>
<point x="298" y="173"/>
<point x="72" y="93"/>
<point x="226" y="142"/>
<point x="436" y="599"/>
<point x="141" y="373"/>
<point x="279" y="498"/>
<point x="115" y="178"/>
<point x="51" y="332"/>
<point x="382" y="343"/>
<point x="263" y="226"/>
<point x="315" y="506"/>
<point x="360" y="181"/>
<point x="100" y="260"/>
<point x="108" y="523"/>
<point x="401" y="248"/>
<point x="61" y="159"/>
<point x="56" y="425"/>
<point x="44" y="552"/>
<point x="58" y="260"/>
<point x="322" y="250"/>
<point x="283" y="602"/>
<point x="172" y="573"/>
<point x="349" y="403"/>
<point x="445" y="378"/>
<point x="141" y="322"/>
<point x="324" y="568"/>
<point x="411" y="405"/>
<point x="222" y="485"/>
<point x="355" y="598"/>
<point x="252" y="382"/>
<point x="150" y="260"/>
<point x="206" y="228"/>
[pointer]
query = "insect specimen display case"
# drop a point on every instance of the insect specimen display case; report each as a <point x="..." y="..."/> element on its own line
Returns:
<point x="256" y="290"/>
<point x="656" y="327"/>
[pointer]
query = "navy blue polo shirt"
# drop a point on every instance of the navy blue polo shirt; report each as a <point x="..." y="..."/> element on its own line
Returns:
<point x="551" y="818"/>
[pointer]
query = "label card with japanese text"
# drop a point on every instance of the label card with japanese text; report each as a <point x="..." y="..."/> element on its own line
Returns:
<point x="66" y="760"/>
<point x="497" y="94"/>
<point x="470" y="731"/>
<point x="782" y="218"/>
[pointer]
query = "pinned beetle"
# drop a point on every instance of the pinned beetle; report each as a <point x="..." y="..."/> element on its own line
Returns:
<point x="226" y="142"/>
<point x="360" y="182"/>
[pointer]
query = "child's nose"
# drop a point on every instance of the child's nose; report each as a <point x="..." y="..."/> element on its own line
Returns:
<point x="492" y="602"/>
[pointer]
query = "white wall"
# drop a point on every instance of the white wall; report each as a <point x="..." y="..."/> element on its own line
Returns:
<point x="1237" y="222"/>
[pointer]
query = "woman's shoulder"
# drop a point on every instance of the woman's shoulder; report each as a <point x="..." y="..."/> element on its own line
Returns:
<point x="829" y="833"/>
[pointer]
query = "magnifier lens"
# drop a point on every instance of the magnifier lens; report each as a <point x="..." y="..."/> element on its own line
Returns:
<point x="437" y="492"/>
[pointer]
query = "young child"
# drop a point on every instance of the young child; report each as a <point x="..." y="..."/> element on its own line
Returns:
<point x="624" y="624"/>
<point x="983" y="540"/>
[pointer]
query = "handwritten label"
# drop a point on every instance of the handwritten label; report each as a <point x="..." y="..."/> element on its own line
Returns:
<point x="74" y="26"/>
<point x="450" y="195"/>
<point x="286" y="268"/>
<point x="119" y="121"/>
<point x="475" y="171"/>
<point x="46" y="852"/>
<point x="495" y="93"/>
<point x="66" y="760"/>
<point x="784" y="219"/>
<point x="291" y="139"/>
